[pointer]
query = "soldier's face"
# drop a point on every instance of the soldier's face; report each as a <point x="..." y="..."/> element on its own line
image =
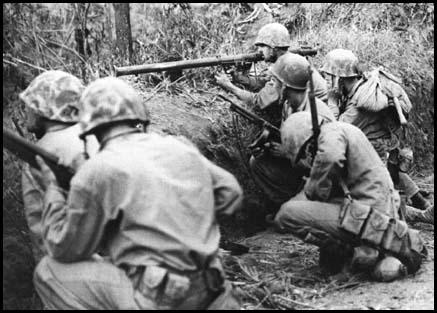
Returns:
<point x="334" y="89"/>
<point x="268" y="53"/>
<point x="34" y="122"/>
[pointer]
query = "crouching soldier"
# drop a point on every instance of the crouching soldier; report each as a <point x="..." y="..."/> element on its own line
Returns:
<point x="349" y="207"/>
<point x="363" y="105"/>
<point x="272" y="170"/>
<point x="150" y="202"/>
<point x="399" y="164"/>
<point x="52" y="110"/>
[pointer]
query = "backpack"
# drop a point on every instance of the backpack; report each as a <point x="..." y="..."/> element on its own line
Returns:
<point x="381" y="90"/>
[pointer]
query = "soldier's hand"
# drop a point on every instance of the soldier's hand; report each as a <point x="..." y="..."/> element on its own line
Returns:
<point x="47" y="175"/>
<point x="223" y="80"/>
<point x="257" y="152"/>
<point x="276" y="149"/>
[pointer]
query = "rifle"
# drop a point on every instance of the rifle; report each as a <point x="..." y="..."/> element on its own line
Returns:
<point x="242" y="60"/>
<point x="27" y="151"/>
<point x="268" y="132"/>
<point x="314" y="119"/>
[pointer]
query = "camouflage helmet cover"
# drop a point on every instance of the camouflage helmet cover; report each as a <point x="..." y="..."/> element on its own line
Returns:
<point x="295" y="131"/>
<point x="341" y="63"/>
<point x="292" y="70"/>
<point x="109" y="100"/>
<point x="273" y="35"/>
<point x="54" y="95"/>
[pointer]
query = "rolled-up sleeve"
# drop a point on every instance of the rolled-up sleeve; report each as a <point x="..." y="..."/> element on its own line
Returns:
<point x="72" y="224"/>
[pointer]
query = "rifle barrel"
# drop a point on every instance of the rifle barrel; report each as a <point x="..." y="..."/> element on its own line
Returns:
<point x="175" y="65"/>
<point x="26" y="150"/>
<point x="249" y="115"/>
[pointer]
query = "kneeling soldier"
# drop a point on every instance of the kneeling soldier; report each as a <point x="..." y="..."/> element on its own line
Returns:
<point x="361" y="229"/>
<point x="150" y="202"/>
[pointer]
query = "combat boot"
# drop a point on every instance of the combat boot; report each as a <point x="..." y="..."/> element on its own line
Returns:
<point x="335" y="257"/>
<point x="418" y="201"/>
<point x="415" y="215"/>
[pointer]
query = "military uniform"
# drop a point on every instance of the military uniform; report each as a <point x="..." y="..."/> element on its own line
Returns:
<point x="273" y="174"/>
<point x="65" y="144"/>
<point x="150" y="202"/>
<point x="53" y="95"/>
<point x="270" y="94"/>
<point x="317" y="215"/>
<point x="380" y="127"/>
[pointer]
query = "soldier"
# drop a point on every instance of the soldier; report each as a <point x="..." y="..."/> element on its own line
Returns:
<point x="150" y="202"/>
<point x="399" y="164"/>
<point x="272" y="170"/>
<point x="52" y="109"/>
<point x="357" y="225"/>
<point x="273" y="41"/>
<point x="345" y="78"/>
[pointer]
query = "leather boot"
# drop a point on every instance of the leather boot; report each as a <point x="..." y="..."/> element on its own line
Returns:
<point x="418" y="201"/>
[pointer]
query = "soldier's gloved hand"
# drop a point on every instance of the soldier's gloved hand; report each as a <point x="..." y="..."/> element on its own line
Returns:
<point x="276" y="149"/>
<point x="223" y="80"/>
<point x="47" y="175"/>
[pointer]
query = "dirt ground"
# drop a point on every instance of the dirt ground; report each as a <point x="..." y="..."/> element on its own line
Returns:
<point x="281" y="272"/>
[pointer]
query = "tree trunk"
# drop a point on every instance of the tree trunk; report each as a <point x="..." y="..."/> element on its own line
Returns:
<point x="123" y="30"/>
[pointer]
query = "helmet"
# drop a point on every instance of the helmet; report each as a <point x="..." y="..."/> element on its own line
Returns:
<point x="54" y="95"/>
<point x="273" y="35"/>
<point x="295" y="131"/>
<point x="292" y="70"/>
<point x="109" y="100"/>
<point x="342" y="63"/>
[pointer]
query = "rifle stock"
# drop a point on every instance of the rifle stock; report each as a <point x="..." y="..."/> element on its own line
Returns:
<point x="27" y="151"/>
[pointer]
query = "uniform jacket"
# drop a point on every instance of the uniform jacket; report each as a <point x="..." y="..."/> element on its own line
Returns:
<point x="144" y="199"/>
<point x="65" y="144"/>
<point x="344" y="149"/>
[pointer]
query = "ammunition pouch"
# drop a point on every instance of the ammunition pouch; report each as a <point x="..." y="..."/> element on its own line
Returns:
<point x="353" y="215"/>
<point x="375" y="228"/>
<point x="383" y="232"/>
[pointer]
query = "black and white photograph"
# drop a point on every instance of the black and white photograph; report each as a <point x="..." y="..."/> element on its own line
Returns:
<point x="218" y="156"/>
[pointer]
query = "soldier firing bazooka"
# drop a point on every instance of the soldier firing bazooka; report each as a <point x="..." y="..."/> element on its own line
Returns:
<point x="357" y="227"/>
<point x="52" y="110"/>
<point x="345" y="79"/>
<point x="150" y="202"/>
<point x="273" y="41"/>
<point x="271" y="169"/>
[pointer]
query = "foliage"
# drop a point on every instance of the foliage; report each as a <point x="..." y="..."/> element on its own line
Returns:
<point x="39" y="36"/>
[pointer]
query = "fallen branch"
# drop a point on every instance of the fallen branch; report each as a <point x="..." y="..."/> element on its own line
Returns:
<point x="24" y="63"/>
<point x="161" y="85"/>
<point x="252" y="16"/>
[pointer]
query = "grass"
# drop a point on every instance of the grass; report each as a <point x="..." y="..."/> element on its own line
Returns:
<point x="399" y="36"/>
